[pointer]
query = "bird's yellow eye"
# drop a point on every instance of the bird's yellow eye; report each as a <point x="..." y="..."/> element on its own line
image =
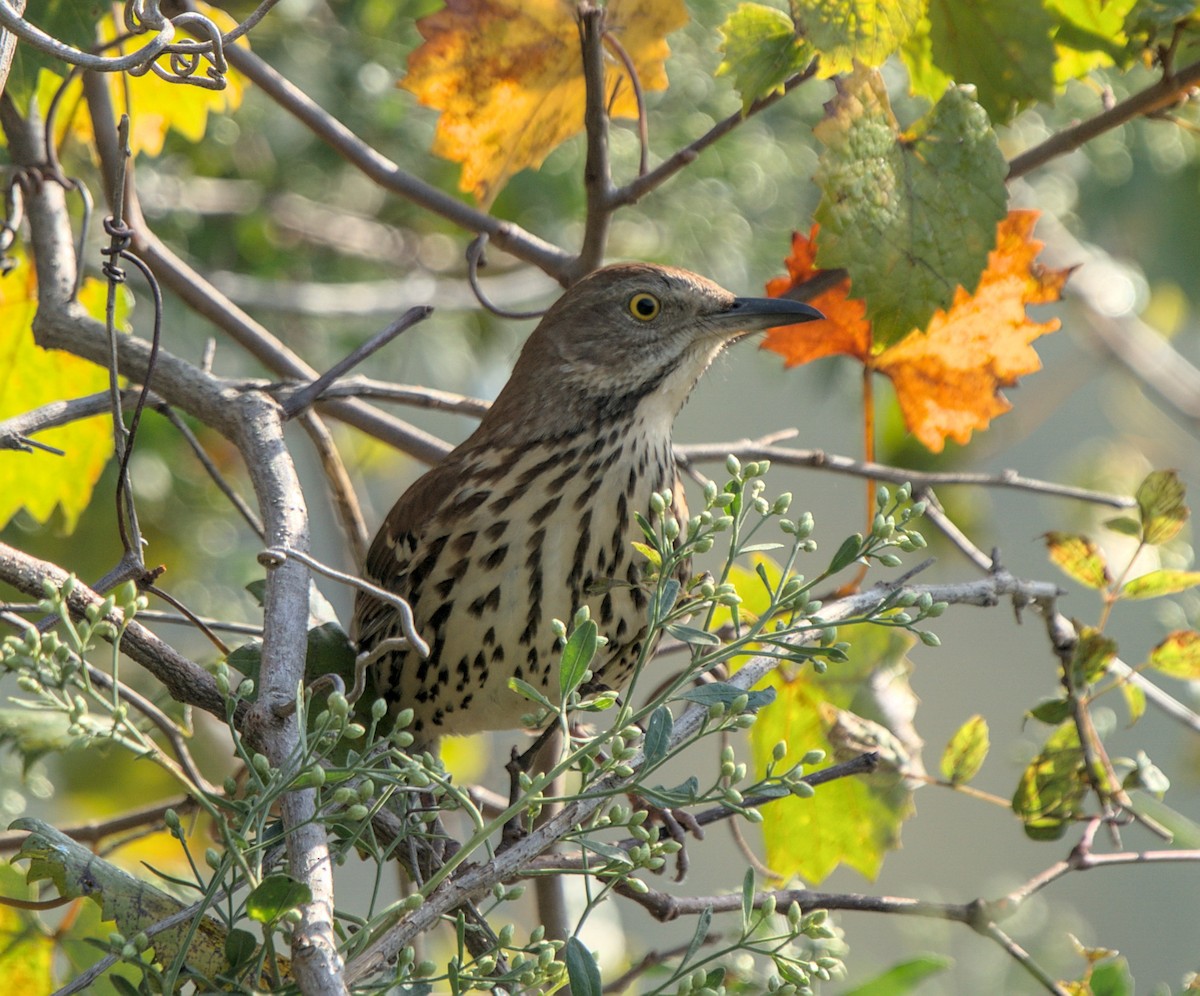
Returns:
<point x="644" y="307"/>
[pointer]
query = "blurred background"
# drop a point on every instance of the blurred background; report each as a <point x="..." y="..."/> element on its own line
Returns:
<point x="324" y="258"/>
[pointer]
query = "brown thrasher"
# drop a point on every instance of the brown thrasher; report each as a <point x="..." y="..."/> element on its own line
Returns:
<point x="533" y="516"/>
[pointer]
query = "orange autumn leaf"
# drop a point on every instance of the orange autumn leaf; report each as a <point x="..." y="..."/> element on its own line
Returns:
<point x="948" y="378"/>
<point x="508" y="78"/>
<point x="845" y="329"/>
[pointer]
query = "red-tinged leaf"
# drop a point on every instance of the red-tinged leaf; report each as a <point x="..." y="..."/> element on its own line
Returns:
<point x="1178" y="656"/>
<point x="966" y="751"/>
<point x="1078" y="557"/>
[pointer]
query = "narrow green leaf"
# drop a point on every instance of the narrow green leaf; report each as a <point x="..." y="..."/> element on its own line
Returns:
<point x="1160" y="501"/>
<point x="658" y="735"/>
<point x="577" y="656"/>
<point x="610" y="852"/>
<point x="725" y="693"/>
<point x="760" y="547"/>
<point x="747" y="898"/>
<point x="1157" y="583"/>
<point x="582" y="970"/>
<point x="529" y="692"/>
<point x="847" y="553"/>
<point x="274" y="896"/>
<point x="663" y="600"/>
<point x="966" y="751"/>
<point x="683" y="794"/>
<point x="692" y="636"/>
<point x="698" y="936"/>
<point x="1125" y="525"/>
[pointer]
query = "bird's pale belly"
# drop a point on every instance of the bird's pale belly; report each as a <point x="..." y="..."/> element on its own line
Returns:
<point x="503" y="572"/>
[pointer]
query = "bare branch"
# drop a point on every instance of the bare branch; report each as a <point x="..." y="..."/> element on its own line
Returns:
<point x="747" y="449"/>
<point x="1170" y="88"/>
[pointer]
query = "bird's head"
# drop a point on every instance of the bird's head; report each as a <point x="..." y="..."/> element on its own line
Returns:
<point x="627" y="332"/>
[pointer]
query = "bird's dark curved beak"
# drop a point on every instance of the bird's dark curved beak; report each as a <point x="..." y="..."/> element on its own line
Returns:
<point x="751" y="314"/>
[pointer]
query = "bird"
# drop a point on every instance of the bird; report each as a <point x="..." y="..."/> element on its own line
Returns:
<point x="533" y="516"/>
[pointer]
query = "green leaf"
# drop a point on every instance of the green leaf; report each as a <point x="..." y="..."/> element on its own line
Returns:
<point x="692" y="636"/>
<point x="904" y="977"/>
<point x="846" y="554"/>
<point x="910" y="216"/>
<point x="1178" y="656"/>
<point x="1091" y="657"/>
<point x="1160" y="502"/>
<point x="1125" y="525"/>
<point x="703" y="922"/>
<point x="1051" y="711"/>
<point x="1111" y="978"/>
<point x="658" y="735"/>
<point x="683" y="794"/>
<point x="845" y="32"/>
<point x="1079" y="558"/>
<point x="1053" y="787"/>
<point x="1005" y="50"/>
<point x="760" y="50"/>
<point x="966" y="751"/>
<point x="528" y="691"/>
<point x="1158" y="583"/>
<point x="274" y="896"/>
<point x="240" y="946"/>
<point x="724" y="693"/>
<point x="747" y="898"/>
<point x="1088" y="36"/>
<point x="610" y="852"/>
<point x="258" y="591"/>
<point x="582" y="969"/>
<point x="577" y="656"/>
<point x="663" y="599"/>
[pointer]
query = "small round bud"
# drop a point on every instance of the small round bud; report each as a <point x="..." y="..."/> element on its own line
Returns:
<point x="378" y="709"/>
<point x="930" y="639"/>
<point x="733" y="467"/>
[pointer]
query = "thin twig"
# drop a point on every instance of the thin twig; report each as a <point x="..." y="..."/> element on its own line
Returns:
<point x="307" y="395"/>
<point x="273" y="556"/>
<point x="747" y="449"/>
<point x="597" y="173"/>
<point x="1168" y="89"/>
<point x="341" y="488"/>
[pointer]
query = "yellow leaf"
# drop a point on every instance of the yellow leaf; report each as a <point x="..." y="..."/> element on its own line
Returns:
<point x="1160" y="502"/>
<point x="1178" y="655"/>
<point x="508" y="78"/>
<point x="26" y="951"/>
<point x="155" y="105"/>
<point x="851" y="821"/>
<point x="966" y="751"/>
<point x="31" y="377"/>
<point x="1079" y="557"/>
